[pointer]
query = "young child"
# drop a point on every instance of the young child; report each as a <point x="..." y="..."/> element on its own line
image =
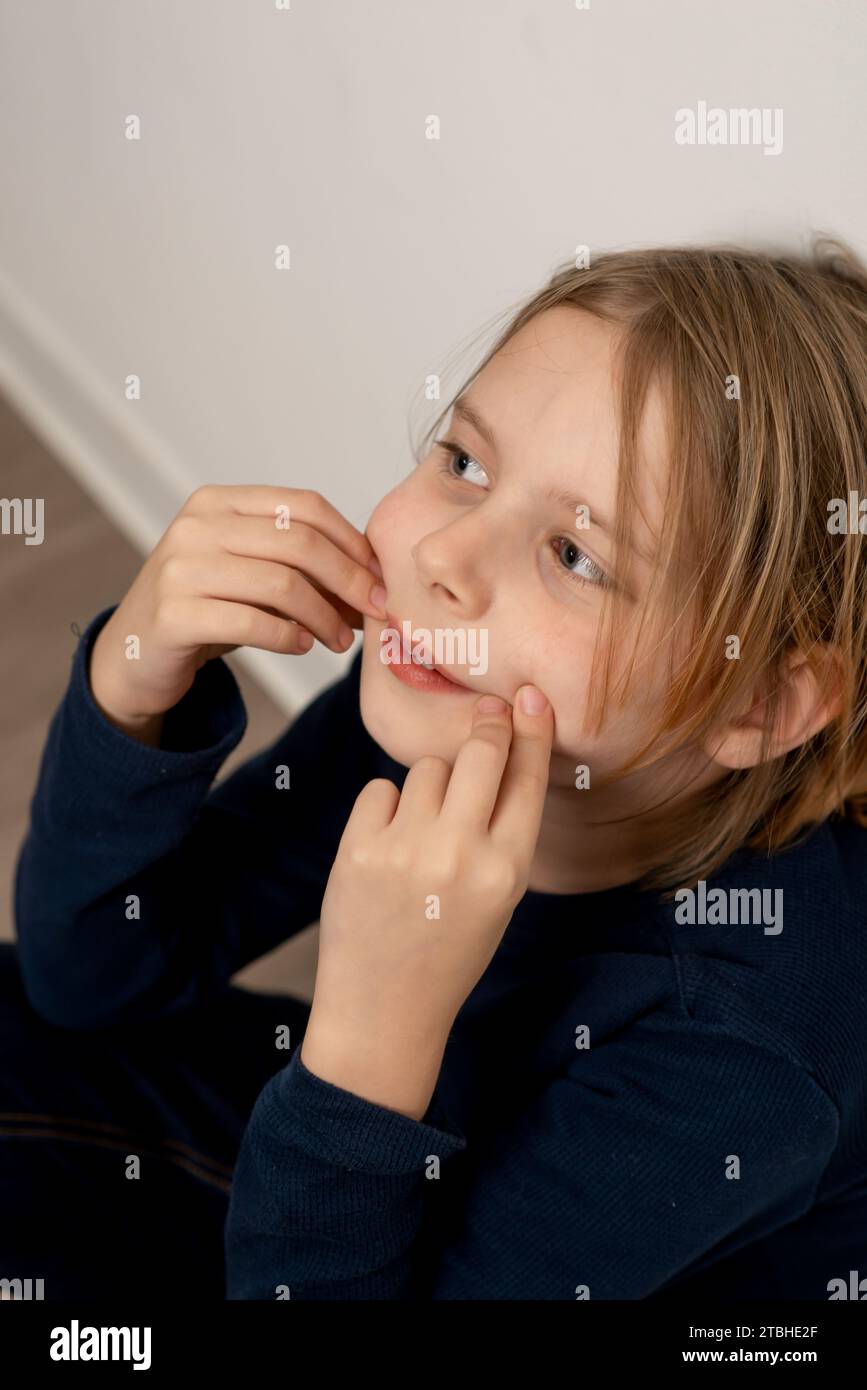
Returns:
<point x="589" y="1008"/>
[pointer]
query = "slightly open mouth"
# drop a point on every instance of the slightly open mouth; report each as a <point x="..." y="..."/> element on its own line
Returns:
<point x="435" y="671"/>
<point x="415" y="662"/>
<point x="424" y="677"/>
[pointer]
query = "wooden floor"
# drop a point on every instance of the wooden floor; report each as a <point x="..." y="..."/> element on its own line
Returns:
<point x="46" y="591"/>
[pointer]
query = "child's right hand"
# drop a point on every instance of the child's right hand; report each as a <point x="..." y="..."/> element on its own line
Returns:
<point x="226" y="574"/>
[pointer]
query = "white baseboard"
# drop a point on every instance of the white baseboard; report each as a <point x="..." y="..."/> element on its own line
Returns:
<point x="131" y="474"/>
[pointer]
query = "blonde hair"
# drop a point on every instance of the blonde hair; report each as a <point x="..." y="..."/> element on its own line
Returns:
<point x="746" y="546"/>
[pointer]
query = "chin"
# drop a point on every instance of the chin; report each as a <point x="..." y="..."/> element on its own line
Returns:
<point x="407" y="726"/>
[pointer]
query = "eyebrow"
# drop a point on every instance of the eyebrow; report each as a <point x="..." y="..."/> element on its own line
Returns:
<point x="465" y="411"/>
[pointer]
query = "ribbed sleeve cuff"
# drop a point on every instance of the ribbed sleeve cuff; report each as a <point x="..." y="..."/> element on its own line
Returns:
<point x="341" y="1128"/>
<point x="198" y="733"/>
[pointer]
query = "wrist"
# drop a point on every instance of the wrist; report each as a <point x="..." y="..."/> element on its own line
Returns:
<point x="144" y="728"/>
<point x="392" y="1065"/>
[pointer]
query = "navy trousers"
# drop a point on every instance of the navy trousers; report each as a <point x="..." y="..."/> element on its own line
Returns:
<point x="77" y="1106"/>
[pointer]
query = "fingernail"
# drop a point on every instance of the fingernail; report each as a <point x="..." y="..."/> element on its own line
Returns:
<point x="491" y="704"/>
<point x="532" y="700"/>
<point x="378" y="598"/>
<point x="345" y="635"/>
<point x="376" y="567"/>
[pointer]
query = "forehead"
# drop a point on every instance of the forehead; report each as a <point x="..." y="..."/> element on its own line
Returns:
<point x="551" y="396"/>
<point x="556" y="372"/>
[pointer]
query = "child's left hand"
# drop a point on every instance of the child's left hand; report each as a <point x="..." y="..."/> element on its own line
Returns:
<point x="426" y="879"/>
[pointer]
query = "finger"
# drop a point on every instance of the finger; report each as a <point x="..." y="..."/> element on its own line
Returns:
<point x="475" y="780"/>
<point x="424" y="788"/>
<point x="348" y="614"/>
<point x="205" y="621"/>
<point x="285" y="504"/>
<point x="374" y="810"/>
<point x="307" y="550"/>
<point x="517" y="818"/>
<point x="274" y="588"/>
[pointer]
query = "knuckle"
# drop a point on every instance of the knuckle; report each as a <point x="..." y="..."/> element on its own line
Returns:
<point x="313" y="501"/>
<point x="185" y="528"/>
<point x="273" y="632"/>
<point x="201" y="496"/>
<point x="498" y="876"/>
<point x="282" y="634"/>
<point x="354" y="578"/>
<point x="429" y="762"/>
<point x="248" y="627"/>
<point x="490" y="741"/>
<point x="444" y="864"/>
<point x="358" y="854"/>
<point x="377" y="790"/>
<point x="287" y="636"/>
<point x="398" y="857"/>
<point x="303" y="540"/>
<point x="529" y="782"/>
<point x="173" y="570"/>
<point x="380" y="783"/>
<point x="285" y="583"/>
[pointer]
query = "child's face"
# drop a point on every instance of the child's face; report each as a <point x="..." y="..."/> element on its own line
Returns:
<point x="480" y="550"/>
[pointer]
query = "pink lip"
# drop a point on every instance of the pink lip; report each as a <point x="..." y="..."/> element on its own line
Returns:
<point x="446" y="675"/>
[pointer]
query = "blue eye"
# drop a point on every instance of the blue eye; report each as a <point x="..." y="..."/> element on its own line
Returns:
<point x="454" y="455"/>
<point x="592" y="575"/>
<point x="592" y="572"/>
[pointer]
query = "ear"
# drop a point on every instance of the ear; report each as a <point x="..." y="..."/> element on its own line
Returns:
<point x="804" y="707"/>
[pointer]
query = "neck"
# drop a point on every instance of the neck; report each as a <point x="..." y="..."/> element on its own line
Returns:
<point x="578" y="852"/>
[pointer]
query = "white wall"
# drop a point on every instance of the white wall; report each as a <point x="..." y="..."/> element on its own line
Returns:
<point x="306" y="126"/>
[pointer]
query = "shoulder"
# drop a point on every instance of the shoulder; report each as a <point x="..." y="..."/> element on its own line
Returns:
<point x="774" y="949"/>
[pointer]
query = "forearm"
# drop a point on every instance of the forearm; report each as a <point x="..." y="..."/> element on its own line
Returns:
<point x="100" y="904"/>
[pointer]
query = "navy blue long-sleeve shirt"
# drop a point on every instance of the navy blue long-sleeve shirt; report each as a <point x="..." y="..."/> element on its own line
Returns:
<point x="629" y="1106"/>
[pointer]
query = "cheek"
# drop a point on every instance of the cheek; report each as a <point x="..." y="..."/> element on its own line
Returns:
<point x="561" y="667"/>
<point x="574" y="700"/>
<point x="394" y="525"/>
<point x="554" y="653"/>
<point x="569" y="702"/>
